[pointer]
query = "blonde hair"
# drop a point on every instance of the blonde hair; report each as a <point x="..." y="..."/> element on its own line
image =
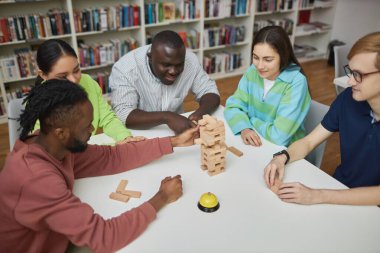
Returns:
<point x="367" y="44"/>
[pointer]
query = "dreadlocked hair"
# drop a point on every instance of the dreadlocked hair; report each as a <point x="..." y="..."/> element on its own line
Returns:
<point x="51" y="103"/>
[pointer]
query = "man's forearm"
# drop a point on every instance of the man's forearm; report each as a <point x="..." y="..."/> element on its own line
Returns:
<point x="354" y="196"/>
<point x="139" y="119"/>
<point x="208" y="103"/>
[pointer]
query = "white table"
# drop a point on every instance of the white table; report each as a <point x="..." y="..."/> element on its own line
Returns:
<point x="250" y="218"/>
<point x="341" y="81"/>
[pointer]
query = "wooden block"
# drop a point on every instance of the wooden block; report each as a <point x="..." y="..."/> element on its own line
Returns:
<point x="235" y="151"/>
<point x="209" y="119"/>
<point x="122" y="185"/>
<point x="215" y="172"/>
<point x="198" y="141"/>
<point x="119" y="197"/>
<point x="132" y="194"/>
<point x="202" y="122"/>
<point x="215" y="126"/>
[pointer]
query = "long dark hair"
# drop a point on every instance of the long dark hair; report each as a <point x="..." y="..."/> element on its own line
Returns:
<point x="49" y="53"/>
<point x="52" y="102"/>
<point x="277" y="38"/>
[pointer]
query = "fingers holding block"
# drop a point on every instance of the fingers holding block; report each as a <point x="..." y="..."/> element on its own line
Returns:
<point x="119" y="197"/>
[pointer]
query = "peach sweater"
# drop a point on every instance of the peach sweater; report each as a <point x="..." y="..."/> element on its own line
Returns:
<point x="40" y="213"/>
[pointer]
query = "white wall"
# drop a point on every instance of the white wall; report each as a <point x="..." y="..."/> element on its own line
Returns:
<point x="354" y="19"/>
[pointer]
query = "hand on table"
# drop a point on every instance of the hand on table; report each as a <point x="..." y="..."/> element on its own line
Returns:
<point x="250" y="137"/>
<point x="275" y="169"/>
<point x="297" y="193"/>
<point x="170" y="190"/>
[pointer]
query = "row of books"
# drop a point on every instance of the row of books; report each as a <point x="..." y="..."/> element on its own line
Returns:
<point x="107" y="18"/>
<point x="14" y="93"/>
<point x="285" y="23"/>
<point x="21" y="64"/>
<point x="31" y="27"/>
<point x="274" y="5"/>
<point x="312" y="27"/>
<point x="190" y="38"/>
<point x="226" y="8"/>
<point x="214" y="35"/>
<point x="222" y="62"/>
<point x="18" y="92"/>
<point x="103" y="80"/>
<point x="104" y="53"/>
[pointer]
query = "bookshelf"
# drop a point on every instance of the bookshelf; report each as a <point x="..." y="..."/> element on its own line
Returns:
<point x="313" y="30"/>
<point x="220" y="34"/>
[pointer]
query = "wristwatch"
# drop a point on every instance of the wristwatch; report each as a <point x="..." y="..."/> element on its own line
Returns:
<point x="281" y="153"/>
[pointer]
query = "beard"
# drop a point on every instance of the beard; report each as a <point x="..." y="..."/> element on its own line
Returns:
<point x="77" y="146"/>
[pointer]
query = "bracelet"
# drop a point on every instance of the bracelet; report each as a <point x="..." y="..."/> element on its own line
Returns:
<point x="283" y="152"/>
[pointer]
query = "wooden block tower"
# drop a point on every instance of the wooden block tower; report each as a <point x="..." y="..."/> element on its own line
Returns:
<point x="213" y="147"/>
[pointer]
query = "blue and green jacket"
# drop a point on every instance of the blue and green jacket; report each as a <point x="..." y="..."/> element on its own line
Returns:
<point x="279" y="116"/>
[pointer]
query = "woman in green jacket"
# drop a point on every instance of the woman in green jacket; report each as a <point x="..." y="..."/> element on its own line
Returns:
<point x="56" y="59"/>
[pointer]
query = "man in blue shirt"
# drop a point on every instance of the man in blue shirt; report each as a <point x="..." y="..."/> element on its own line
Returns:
<point x="356" y="115"/>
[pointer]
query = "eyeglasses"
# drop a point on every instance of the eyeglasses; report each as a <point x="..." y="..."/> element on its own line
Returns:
<point x="357" y="75"/>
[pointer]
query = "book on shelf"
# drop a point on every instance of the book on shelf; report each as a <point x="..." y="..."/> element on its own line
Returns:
<point x="323" y="3"/>
<point x="168" y="11"/>
<point x="306" y="51"/>
<point x="9" y="68"/>
<point x="102" y="78"/>
<point x="226" y="8"/>
<point x="2" y="107"/>
<point x="304" y="17"/>
<point x="312" y="27"/>
<point x="190" y="38"/>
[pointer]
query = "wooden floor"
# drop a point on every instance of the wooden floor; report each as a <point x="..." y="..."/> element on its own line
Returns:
<point x="320" y="77"/>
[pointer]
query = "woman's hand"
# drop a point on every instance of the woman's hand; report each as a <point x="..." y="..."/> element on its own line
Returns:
<point x="250" y="137"/>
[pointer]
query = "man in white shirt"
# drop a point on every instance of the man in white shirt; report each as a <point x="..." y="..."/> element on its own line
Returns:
<point x="150" y="84"/>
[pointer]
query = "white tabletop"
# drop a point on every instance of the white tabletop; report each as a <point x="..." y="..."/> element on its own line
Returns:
<point x="341" y="81"/>
<point x="250" y="218"/>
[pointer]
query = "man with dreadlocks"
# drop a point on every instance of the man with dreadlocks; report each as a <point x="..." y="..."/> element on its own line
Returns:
<point x="39" y="212"/>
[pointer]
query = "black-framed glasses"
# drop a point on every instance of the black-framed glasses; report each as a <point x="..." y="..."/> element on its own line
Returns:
<point x="356" y="74"/>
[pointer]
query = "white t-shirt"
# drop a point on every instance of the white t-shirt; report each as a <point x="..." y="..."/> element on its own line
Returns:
<point x="267" y="85"/>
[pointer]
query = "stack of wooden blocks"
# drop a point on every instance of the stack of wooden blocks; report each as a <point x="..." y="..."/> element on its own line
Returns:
<point x="213" y="146"/>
